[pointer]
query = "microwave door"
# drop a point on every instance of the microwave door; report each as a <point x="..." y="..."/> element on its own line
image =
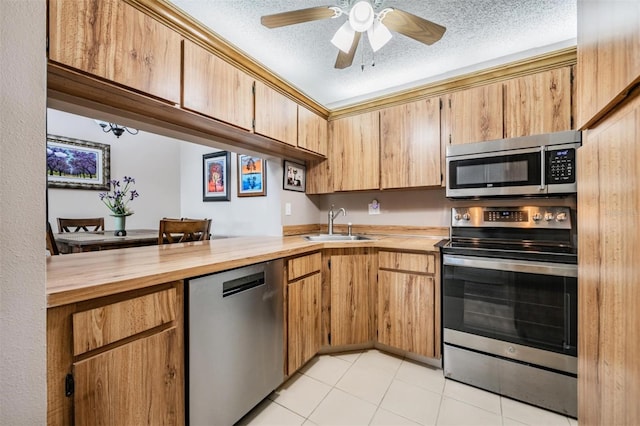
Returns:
<point x="515" y="172"/>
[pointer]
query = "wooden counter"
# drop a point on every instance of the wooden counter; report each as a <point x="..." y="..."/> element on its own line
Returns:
<point x="85" y="276"/>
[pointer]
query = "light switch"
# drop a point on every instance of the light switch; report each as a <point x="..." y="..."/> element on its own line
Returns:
<point x="287" y="209"/>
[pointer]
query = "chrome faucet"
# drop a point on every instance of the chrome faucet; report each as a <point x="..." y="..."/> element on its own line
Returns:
<point x="332" y="215"/>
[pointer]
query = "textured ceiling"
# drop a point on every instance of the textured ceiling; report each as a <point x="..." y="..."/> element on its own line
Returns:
<point x="480" y="34"/>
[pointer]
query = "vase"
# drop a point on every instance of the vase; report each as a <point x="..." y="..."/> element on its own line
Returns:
<point x="119" y="224"/>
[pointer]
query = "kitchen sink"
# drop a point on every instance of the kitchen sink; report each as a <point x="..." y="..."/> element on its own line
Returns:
<point x="335" y="237"/>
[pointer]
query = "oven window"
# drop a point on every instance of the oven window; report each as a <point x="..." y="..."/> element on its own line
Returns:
<point x="529" y="309"/>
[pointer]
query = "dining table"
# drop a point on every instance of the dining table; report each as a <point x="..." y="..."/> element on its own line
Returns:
<point x="78" y="242"/>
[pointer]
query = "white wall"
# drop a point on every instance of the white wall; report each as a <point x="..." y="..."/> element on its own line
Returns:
<point x="152" y="160"/>
<point x="424" y="207"/>
<point x="22" y="212"/>
<point x="240" y="216"/>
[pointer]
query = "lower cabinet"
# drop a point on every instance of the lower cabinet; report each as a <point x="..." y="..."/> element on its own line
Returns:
<point x="118" y="359"/>
<point x="408" y="302"/>
<point x="352" y="296"/>
<point x="303" y="310"/>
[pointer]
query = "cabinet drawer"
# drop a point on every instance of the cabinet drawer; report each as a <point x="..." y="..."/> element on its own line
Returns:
<point x="423" y="263"/>
<point x="101" y="326"/>
<point x="304" y="265"/>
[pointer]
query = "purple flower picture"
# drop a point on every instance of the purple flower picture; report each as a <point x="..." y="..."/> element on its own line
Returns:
<point x="77" y="164"/>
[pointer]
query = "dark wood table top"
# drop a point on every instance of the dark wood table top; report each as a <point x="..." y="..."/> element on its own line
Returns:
<point x="77" y="242"/>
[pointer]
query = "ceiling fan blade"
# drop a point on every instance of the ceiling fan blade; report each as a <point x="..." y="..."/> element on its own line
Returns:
<point x="345" y="60"/>
<point x="413" y="26"/>
<point x="297" y="16"/>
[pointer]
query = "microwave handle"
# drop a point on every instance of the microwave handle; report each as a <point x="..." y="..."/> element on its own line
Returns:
<point x="543" y="155"/>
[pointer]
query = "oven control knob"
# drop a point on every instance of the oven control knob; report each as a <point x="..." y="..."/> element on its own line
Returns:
<point x="548" y="216"/>
<point x="458" y="216"/>
<point x="561" y="217"/>
<point x="537" y="217"/>
<point x="466" y="216"/>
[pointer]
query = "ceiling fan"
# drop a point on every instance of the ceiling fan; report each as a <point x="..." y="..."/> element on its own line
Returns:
<point x="362" y="16"/>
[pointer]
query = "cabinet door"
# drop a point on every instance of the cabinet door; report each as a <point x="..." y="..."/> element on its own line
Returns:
<point x="319" y="179"/>
<point x="476" y="114"/>
<point x="406" y="312"/>
<point x="351" y="294"/>
<point x="215" y="88"/>
<point x="304" y="332"/>
<point x="608" y="55"/>
<point x="115" y="41"/>
<point x="276" y="115"/>
<point x="312" y="131"/>
<point x="355" y="151"/>
<point x="410" y="145"/>
<point x="538" y="103"/>
<point x="133" y="384"/>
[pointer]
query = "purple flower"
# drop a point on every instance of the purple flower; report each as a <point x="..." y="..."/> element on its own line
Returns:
<point x="117" y="199"/>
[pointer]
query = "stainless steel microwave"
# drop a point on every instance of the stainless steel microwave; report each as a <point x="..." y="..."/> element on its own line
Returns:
<point x="526" y="166"/>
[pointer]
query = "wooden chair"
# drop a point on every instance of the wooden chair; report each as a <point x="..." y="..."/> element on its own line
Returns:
<point x="183" y="230"/>
<point x="51" y="242"/>
<point x="83" y="224"/>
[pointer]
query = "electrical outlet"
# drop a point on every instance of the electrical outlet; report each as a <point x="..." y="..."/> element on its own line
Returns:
<point x="374" y="207"/>
<point x="287" y="209"/>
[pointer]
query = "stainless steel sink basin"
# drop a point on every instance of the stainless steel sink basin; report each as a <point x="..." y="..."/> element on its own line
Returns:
<point x="335" y="237"/>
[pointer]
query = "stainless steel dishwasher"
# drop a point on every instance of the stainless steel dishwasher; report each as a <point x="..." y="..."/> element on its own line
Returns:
<point x="235" y="342"/>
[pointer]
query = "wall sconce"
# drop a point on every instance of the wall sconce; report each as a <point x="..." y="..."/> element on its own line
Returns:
<point x="116" y="129"/>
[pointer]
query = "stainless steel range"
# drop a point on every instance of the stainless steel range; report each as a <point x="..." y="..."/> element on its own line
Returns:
<point x="510" y="303"/>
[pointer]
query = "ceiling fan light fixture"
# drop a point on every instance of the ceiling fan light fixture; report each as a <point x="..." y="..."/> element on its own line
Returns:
<point x="343" y="38"/>
<point x="361" y="16"/>
<point x="378" y="35"/>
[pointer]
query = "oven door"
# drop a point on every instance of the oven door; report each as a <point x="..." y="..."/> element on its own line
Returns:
<point x="513" y="172"/>
<point x="528" y="304"/>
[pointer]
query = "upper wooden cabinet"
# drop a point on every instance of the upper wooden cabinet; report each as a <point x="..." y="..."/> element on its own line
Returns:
<point x="115" y="41"/>
<point x="538" y="103"/>
<point x="476" y="115"/>
<point x="355" y="152"/>
<point x="215" y="88"/>
<point x="276" y="115"/>
<point x="312" y="131"/>
<point x="608" y="56"/>
<point x="410" y="145"/>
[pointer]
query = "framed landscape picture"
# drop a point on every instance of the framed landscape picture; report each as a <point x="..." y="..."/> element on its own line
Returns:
<point x="77" y="164"/>
<point x="294" y="176"/>
<point x="252" y="176"/>
<point x="215" y="176"/>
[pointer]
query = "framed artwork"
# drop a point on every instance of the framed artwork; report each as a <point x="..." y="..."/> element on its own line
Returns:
<point x="252" y="176"/>
<point x="77" y="164"/>
<point x="294" y="176"/>
<point x="215" y="176"/>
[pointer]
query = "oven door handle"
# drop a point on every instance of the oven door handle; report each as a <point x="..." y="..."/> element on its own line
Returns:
<point x="510" y="265"/>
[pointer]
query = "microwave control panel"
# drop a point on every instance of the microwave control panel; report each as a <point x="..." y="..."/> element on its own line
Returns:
<point x="561" y="166"/>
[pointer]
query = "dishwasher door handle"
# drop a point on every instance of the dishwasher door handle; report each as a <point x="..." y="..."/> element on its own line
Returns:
<point x="239" y="285"/>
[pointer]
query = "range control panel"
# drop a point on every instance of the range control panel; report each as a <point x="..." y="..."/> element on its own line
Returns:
<point x="512" y="217"/>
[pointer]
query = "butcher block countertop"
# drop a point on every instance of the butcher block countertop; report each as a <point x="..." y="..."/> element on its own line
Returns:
<point x="83" y="276"/>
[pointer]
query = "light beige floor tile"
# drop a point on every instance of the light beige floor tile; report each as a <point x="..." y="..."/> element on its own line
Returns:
<point x="300" y="394"/>
<point x="326" y="368"/>
<point x="530" y="415"/>
<point x="309" y="423"/>
<point x="412" y="402"/>
<point x="269" y="413"/>
<point x="373" y="358"/>
<point x="340" y="408"/>
<point x="506" y="421"/>
<point x="486" y="400"/>
<point x="457" y="413"/>
<point x="369" y="384"/>
<point x="423" y="376"/>
<point x="387" y="418"/>
<point x="349" y="356"/>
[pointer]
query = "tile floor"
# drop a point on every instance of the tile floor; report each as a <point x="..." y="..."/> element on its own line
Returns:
<point x="375" y="388"/>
